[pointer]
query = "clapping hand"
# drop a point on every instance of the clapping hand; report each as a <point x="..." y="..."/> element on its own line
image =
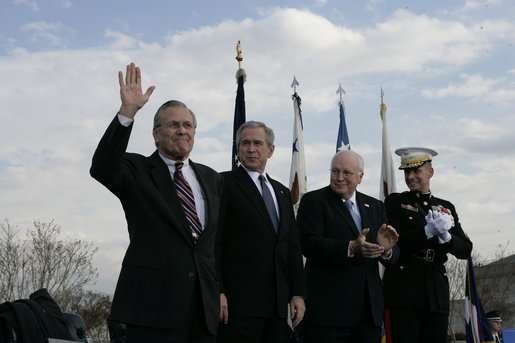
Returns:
<point x="387" y="237"/>
<point x="438" y="224"/>
<point x="366" y="249"/>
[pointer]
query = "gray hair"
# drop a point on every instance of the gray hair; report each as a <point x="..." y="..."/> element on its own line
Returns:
<point x="269" y="133"/>
<point x="361" y="163"/>
<point x="172" y="103"/>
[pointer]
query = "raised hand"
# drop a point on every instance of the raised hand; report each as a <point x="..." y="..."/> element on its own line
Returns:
<point x="131" y="93"/>
<point x="387" y="237"/>
<point x="366" y="249"/>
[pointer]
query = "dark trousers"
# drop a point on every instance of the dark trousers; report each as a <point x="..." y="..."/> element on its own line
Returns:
<point x="365" y="331"/>
<point x="241" y="329"/>
<point x="410" y="326"/>
<point x="361" y="333"/>
<point x="193" y="329"/>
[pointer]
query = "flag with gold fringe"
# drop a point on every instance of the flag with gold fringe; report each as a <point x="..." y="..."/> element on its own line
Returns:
<point x="239" y="108"/>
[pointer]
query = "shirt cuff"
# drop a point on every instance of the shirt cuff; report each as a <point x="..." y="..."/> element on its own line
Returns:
<point x="350" y="253"/>
<point x="125" y="121"/>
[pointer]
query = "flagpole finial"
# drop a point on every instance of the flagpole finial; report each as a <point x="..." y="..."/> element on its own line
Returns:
<point x="294" y="84"/>
<point x="239" y="58"/>
<point x="340" y="91"/>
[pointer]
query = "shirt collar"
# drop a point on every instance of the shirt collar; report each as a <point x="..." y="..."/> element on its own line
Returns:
<point x="352" y="198"/>
<point x="171" y="163"/>
<point x="254" y="175"/>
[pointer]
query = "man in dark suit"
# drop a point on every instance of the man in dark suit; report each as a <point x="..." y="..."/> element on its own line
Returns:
<point x="416" y="288"/>
<point x="343" y="236"/>
<point x="259" y="249"/>
<point x="167" y="290"/>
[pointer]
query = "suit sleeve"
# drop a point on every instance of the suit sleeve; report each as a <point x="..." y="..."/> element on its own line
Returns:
<point x="106" y="166"/>
<point x="295" y="263"/>
<point x="220" y="234"/>
<point x="311" y="221"/>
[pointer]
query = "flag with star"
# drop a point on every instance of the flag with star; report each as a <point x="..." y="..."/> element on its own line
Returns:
<point x="298" y="179"/>
<point x="476" y="324"/>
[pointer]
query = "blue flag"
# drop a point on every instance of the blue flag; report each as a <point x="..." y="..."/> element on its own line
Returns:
<point x="478" y="330"/>
<point x="342" y="142"/>
<point x="239" y="118"/>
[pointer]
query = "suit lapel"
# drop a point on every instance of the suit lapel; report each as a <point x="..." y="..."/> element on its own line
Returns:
<point x="249" y="188"/>
<point x="338" y="204"/>
<point x="364" y="210"/>
<point x="163" y="181"/>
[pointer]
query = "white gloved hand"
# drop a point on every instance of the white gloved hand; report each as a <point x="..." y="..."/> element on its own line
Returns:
<point x="442" y="222"/>
<point x="444" y="237"/>
<point x="437" y="223"/>
<point x="430" y="228"/>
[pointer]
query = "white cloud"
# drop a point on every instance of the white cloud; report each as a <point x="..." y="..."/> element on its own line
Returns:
<point x="46" y="32"/>
<point x="32" y="4"/>
<point x="473" y="86"/>
<point x="59" y="102"/>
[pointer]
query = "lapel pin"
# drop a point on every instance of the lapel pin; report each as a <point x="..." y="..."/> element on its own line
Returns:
<point x="366" y="205"/>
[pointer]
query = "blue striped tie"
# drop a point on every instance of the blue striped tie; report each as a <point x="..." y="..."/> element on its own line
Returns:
<point x="269" y="202"/>
<point x="187" y="200"/>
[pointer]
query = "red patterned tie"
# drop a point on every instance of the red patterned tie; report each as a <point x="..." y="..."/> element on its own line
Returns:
<point x="188" y="201"/>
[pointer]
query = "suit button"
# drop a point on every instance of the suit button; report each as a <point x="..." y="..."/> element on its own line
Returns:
<point x="191" y="275"/>
<point x="401" y="267"/>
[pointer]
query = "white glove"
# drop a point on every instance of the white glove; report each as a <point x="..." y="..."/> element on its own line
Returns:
<point x="444" y="237"/>
<point x="437" y="223"/>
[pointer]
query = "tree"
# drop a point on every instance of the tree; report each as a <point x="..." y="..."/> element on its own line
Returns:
<point x="43" y="259"/>
<point x="94" y="308"/>
<point x="495" y="283"/>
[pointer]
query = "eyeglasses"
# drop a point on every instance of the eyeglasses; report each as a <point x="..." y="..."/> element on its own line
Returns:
<point x="337" y="172"/>
<point x="176" y="125"/>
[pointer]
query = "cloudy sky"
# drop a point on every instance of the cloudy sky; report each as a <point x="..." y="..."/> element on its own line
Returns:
<point x="446" y="67"/>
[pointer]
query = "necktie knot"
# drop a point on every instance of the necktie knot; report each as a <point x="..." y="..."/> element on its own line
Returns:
<point x="178" y="166"/>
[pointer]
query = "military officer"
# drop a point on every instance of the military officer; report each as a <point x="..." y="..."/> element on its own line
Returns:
<point x="416" y="288"/>
<point x="495" y="323"/>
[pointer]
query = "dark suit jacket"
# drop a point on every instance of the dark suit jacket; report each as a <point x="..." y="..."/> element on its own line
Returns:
<point x="162" y="263"/>
<point x="261" y="270"/>
<point x="413" y="282"/>
<point x="337" y="284"/>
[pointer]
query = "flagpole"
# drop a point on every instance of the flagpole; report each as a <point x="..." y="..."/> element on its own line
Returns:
<point x="239" y="108"/>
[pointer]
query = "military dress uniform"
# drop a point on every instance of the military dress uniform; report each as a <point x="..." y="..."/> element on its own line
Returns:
<point x="416" y="287"/>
